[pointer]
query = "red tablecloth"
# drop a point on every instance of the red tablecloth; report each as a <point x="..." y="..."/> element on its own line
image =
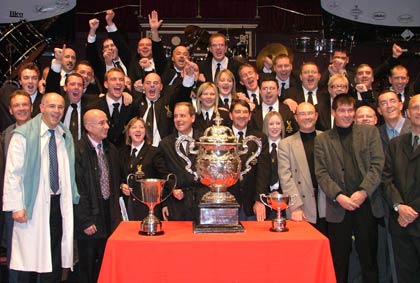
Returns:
<point x="258" y="255"/>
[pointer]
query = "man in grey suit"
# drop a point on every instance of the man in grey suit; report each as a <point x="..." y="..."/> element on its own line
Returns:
<point x="348" y="167"/>
<point x="297" y="170"/>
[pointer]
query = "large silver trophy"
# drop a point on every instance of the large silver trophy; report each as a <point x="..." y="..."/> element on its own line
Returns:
<point x="218" y="166"/>
<point x="278" y="202"/>
<point x="151" y="191"/>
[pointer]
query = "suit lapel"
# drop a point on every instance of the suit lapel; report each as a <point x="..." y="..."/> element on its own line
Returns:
<point x="298" y="151"/>
<point x="336" y="145"/>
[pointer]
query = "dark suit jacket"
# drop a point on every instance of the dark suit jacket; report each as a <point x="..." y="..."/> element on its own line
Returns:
<point x="115" y="132"/>
<point x="324" y="116"/>
<point x="289" y="121"/>
<point x="164" y="107"/>
<point x="296" y="93"/>
<point x="90" y="209"/>
<point x="330" y="173"/>
<point x="201" y="125"/>
<point x="94" y="56"/>
<point x="181" y="209"/>
<point x="406" y="128"/>
<point x="401" y="183"/>
<point x="152" y="165"/>
<point x="257" y="181"/>
<point x="233" y="66"/>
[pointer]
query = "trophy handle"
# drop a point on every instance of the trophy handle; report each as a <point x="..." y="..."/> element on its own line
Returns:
<point x="257" y="141"/>
<point x="174" y="186"/>
<point x="190" y="149"/>
<point x="261" y="198"/>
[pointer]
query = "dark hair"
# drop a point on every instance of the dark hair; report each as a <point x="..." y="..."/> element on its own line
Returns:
<point x="73" y="75"/>
<point x="240" y="102"/>
<point x="29" y="66"/>
<point x="268" y="79"/>
<point x="343" y="98"/>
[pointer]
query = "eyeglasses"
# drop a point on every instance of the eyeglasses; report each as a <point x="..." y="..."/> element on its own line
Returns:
<point x="338" y="86"/>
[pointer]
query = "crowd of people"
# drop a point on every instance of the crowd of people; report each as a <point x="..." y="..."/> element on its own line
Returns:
<point x="72" y="134"/>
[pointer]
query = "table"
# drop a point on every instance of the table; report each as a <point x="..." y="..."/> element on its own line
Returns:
<point x="258" y="255"/>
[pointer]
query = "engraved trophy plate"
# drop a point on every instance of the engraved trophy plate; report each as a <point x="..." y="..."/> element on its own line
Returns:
<point x="218" y="166"/>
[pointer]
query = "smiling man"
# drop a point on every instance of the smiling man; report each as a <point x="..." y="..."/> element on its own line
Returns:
<point x="40" y="191"/>
<point x="112" y="104"/>
<point x="348" y="166"/>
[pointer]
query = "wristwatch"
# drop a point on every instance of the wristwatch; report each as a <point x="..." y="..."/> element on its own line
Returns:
<point x="396" y="207"/>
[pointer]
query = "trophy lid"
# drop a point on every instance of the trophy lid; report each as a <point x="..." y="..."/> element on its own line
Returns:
<point x="218" y="133"/>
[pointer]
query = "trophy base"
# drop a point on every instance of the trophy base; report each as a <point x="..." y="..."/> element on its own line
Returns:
<point x="279" y="225"/>
<point x="218" y="198"/>
<point x="218" y="218"/>
<point x="151" y="226"/>
<point x="148" y="233"/>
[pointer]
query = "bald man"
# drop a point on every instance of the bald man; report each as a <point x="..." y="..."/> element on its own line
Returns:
<point x="98" y="178"/>
<point x="365" y="115"/>
<point x="40" y="191"/>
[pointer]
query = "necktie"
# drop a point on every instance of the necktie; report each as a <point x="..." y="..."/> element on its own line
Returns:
<point x="207" y="117"/>
<point x="416" y="142"/>
<point x="283" y="87"/>
<point x="52" y="153"/>
<point x="117" y="64"/>
<point x="104" y="173"/>
<point x="115" y="113"/>
<point x="399" y="96"/>
<point x="241" y="136"/>
<point x="217" y="70"/>
<point x="132" y="157"/>
<point x="150" y="120"/>
<point x="226" y="103"/>
<point x="133" y="153"/>
<point x="254" y="99"/>
<point x="274" y="167"/>
<point x="270" y="108"/>
<point x="310" y="98"/>
<point x="394" y="133"/>
<point x="74" y="122"/>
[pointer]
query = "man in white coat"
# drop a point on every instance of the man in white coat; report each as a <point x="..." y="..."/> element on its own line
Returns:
<point x="40" y="190"/>
<point x="297" y="170"/>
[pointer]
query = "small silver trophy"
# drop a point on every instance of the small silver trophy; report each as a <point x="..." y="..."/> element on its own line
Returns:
<point x="278" y="202"/>
<point x="151" y="195"/>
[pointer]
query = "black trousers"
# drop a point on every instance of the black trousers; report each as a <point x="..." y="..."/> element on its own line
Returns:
<point x="407" y="257"/>
<point x="91" y="253"/>
<point x="56" y="233"/>
<point x="363" y="226"/>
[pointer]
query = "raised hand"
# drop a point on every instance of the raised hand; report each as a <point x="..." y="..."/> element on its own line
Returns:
<point x="109" y="17"/>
